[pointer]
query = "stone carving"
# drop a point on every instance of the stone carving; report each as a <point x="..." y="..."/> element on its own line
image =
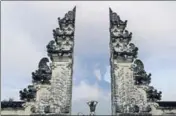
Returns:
<point x="124" y="79"/>
<point x="60" y="51"/>
<point x="147" y="109"/>
<point x="140" y="75"/>
<point x="142" y="78"/>
<point x="64" y="36"/>
<point x="43" y="74"/>
<point x="61" y="86"/>
<point x="119" y="108"/>
<point x="28" y="94"/>
<point x="120" y="39"/>
<point x="115" y="20"/>
<point x="138" y="66"/>
<point x="134" y="109"/>
<point x="153" y="95"/>
<point x="47" y="109"/>
<point x="33" y="109"/>
<point x="65" y="109"/>
<point x="128" y="96"/>
<point x="63" y="48"/>
<point x="44" y="100"/>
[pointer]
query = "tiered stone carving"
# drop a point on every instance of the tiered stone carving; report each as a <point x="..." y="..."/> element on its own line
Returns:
<point x="51" y="91"/>
<point x="121" y="47"/>
<point x="62" y="45"/>
<point x="130" y="83"/>
<point x="60" y="51"/>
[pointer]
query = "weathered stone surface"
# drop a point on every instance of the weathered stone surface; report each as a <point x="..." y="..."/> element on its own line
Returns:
<point x="43" y="98"/>
<point x="55" y="97"/>
<point x="129" y="80"/>
<point x="121" y="48"/>
<point x="126" y="94"/>
<point x="61" y="85"/>
<point x="63" y="43"/>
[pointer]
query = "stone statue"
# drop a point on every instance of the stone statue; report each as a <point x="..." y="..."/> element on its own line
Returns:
<point x="141" y="78"/>
<point x="153" y="95"/>
<point x="43" y="74"/>
<point x="52" y="47"/>
<point x="140" y="75"/>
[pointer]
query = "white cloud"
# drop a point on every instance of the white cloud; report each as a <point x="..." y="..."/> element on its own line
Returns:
<point x="83" y="91"/>
<point x="80" y="69"/>
<point x="107" y="75"/>
<point x="97" y="74"/>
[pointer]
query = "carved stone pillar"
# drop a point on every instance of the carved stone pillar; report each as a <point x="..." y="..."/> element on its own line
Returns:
<point x="60" y="52"/>
<point x="61" y="86"/>
<point x="129" y="82"/>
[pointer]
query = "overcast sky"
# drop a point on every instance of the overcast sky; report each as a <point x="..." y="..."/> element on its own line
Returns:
<point x="27" y="29"/>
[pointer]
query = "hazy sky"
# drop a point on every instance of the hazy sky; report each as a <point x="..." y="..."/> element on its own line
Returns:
<point x="27" y="29"/>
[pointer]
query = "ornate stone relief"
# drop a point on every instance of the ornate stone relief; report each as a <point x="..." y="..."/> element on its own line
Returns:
<point x="28" y="94"/>
<point x="53" y="84"/>
<point x="129" y="98"/>
<point x="60" y="51"/>
<point x="43" y="74"/>
<point x="63" y="42"/>
<point x="121" y="47"/>
<point x="130" y="82"/>
<point x="61" y="86"/>
<point x="153" y="95"/>
<point x="43" y="99"/>
<point x="140" y="75"/>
